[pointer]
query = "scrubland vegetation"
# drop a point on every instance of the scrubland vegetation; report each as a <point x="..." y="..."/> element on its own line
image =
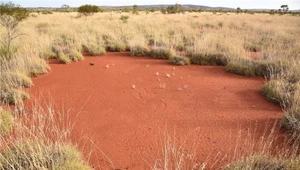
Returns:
<point x="223" y="39"/>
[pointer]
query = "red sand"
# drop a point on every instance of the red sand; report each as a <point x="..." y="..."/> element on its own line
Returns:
<point x="125" y="122"/>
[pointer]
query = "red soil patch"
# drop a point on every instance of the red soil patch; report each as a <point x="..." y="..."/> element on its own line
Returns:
<point x="254" y="55"/>
<point x="125" y="122"/>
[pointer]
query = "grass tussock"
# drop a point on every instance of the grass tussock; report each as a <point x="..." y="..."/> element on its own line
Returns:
<point x="36" y="155"/>
<point x="265" y="162"/>
<point x="75" y="56"/>
<point x="138" y="51"/>
<point x="13" y="96"/>
<point x="117" y="47"/>
<point x="161" y="53"/>
<point x="16" y="79"/>
<point x="41" y="140"/>
<point x="179" y="60"/>
<point x="37" y="67"/>
<point x="208" y="59"/>
<point x="95" y="50"/>
<point x="175" y="154"/>
<point x="63" y="58"/>
<point x="241" y="67"/>
<point x="6" y="121"/>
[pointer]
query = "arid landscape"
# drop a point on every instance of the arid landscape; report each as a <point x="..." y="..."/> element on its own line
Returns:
<point x="149" y="89"/>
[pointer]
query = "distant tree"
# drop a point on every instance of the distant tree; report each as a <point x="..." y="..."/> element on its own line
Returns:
<point x="88" y="10"/>
<point x="10" y="17"/>
<point x="284" y="8"/>
<point x="272" y="12"/>
<point x="152" y="10"/>
<point x="163" y="11"/>
<point x="238" y="10"/>
<point x="65" y="6"/>
<point x="173" y="9"/>
<point x="135" y="10"/>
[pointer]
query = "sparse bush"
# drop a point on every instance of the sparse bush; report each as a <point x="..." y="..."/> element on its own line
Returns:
<point x="88" y="10"/>
<point x="179" y="60"/>
<point x="6" y="121"/>
<point x="161" y="53"/>
<point x="138" y="51"/>
<point x="208" y="59"/>
<point x="10" y="17"/>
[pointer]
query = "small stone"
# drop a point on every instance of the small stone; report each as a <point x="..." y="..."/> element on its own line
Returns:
<point x="162" y="86"/>
<point x="168" y="75"/>
<point x="107" y="66"/>
<point x="173" y="68"/>
<point x="133" y="86"/>
<point x="92" y="64"/>
<point x="157" y="73"/>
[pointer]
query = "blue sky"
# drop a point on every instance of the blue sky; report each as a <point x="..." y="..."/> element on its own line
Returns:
<point x="270" y="4"/>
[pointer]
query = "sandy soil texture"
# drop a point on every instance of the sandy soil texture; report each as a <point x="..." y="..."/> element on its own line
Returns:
<point x="126" y="103"/>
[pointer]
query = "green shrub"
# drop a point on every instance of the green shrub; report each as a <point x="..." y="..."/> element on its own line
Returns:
<point x="138" y="51"/>
<point x="16" y="79"/>
<point x="6" y="121"/>
<point x="62" y="58"/>
<point x="179" y="60"/>
<point x="27" y="154"/>
<point x="241" y="67"/>
<point x="88" y="10"/>
<point x="13" y="96"/>
<point x="161" y="53"/>
<point x="75" y="55"/>
<point x="208" y="59"/>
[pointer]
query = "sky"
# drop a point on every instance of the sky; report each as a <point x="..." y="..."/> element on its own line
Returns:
<point x="243" y="4"/>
